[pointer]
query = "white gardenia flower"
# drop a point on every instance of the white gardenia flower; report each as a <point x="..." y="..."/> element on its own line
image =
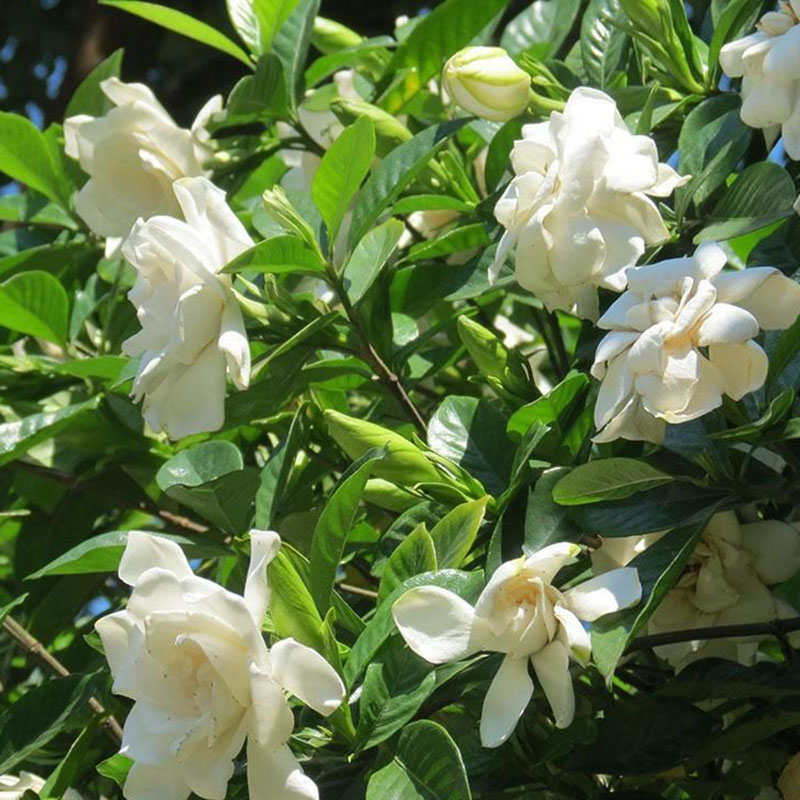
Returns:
<point x="768" y="61"/>
<point x="486" y="81"/>
<point x="132" y="155"/>
<point x="651" y="363"/>
<point x="578" y="209"/>
<point x="192" y="327"/>
<point x="726" y="583"/>
<point x="192" y="657"/>
<point x="789" y="781"/>
<point x="521" y="614"/>
<point x="13" y="787"/>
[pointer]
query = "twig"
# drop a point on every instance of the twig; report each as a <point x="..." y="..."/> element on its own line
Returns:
<point x="348" y="587"/>
<point x="384" y="372"/>
<point x="37" y="650"/>
<point x="777" y="627"/>
<point x="183" y="522"/>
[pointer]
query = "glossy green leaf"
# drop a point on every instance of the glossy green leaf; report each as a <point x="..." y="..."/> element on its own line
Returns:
<point x="88" y="97"/>
<point x="37" y="304"/>
<point x="454" y="534"/>
<point x="414" y="555"/>
<point x="603" y="46"/>
<point x="199" y="464"/>
<point x="277" y="255"/>
<point x="291" y="606"/>
<point x="607" y="479"/>
<point x="341" y="171"/>
<point x="541" y="28"/>
<point x="370" y="257"/>
<point x="184" y="24"/>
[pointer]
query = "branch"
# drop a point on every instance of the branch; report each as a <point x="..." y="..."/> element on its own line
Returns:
<point x="387" y="376"/>
<point x="777" y="627"/>
<point x="33" y="647"/>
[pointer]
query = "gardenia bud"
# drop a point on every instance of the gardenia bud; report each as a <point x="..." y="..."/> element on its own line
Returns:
<point x="486" y="82"/>
<point x="522" y="615"/>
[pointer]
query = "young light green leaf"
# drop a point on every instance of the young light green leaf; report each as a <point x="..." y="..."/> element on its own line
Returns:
<point x="414" y="555"/>
<point x="608" y="479"/>
<point x="341" y="171"/>
<point x="37" y="304"/>
<point x="277" y="255"/>
<point x="290" y="43"/>
<point x="184" y="24"/>
<point x="291" y="605"/>
<point x="394" y="173"/>
<point x="370" y="257"/>
<point x="25" y="156"/>
<point x="454" y="534"/>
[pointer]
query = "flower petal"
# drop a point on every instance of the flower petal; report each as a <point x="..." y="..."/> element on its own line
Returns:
<point x="264" y="546"/>
<point x="573" y="635"/>
<point x="604" y="594"/>
<point x="776" y="548"/>
<point x="307" y="675"/>
<point x="508" y="696"/>
<point x="551" y="665"/>
<point x="271" y="719"/>
<point x="276" y="773"/>
<point x="725" y="323"/>
<point x="742" y="368"/>
<point x="772" y="298"/>
<point x="545" y="563"/>
<point x="155" y="783"/>
<point x="438" y="625"/>
<point x="144" y="551"/>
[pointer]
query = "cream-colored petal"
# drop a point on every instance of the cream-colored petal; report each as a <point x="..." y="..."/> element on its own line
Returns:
<point x="742" y="368"/>
<point x="551" y="666"/>
<point x="775" y="546"/>
<point x="605" y="594"/>
<point x="508" y="697"/>
<point x="264" y="546"/>
<point x="144" y="551"/>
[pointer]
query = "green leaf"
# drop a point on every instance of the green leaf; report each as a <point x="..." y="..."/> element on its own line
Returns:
<point x="472" y="433"/>
<point x="276" y="471"/>
<point x="348" y="56"/>
<point x="712" y="141"/>
<point x="333" y="526"/>
<point x="199" y="464"/>
<point x="394" y="173"/>
<point x="607" y="479"/>
<point x="21" y="435"/>
<point x="394" y="688"/>
<point x="25" y="156"/>
<point x="88" y="97"/>
<point x="659" y="567"/>
<point x="540" y="30"/>
<point x="414" y="555"/>
<point x="277" y="255"/>
<point x="546" y="522"/>
<point x="102" y="553"/>
<point x="781" y="356"/>
<point x="764" y="193"/>
<point x="381" y="626"/>
<point x="450" y="26"/>
<point x="184" y="24"/>
<point x="245" y="22"/>
<point x="426" y="765"/>
<point x="370" y="257"/>
<point x="454" y="534"/>
<point x="736" y="19"/>
<point x="116" y="768"/>
<point x="211" y="479"/>
<point x="271" y="15"/>
<point x="603" y="46"/>
<point x="37" y="304"/>
<point x="343" y="167"/>
<point x="430" y="202"/>
<point x="291" y="605"/>
<point x="39" y="716"/>
<point x="260" y="95"/>
<point x="33" y="208"/>
<point x="457" y="240"/>
<point x="290" y="43"/>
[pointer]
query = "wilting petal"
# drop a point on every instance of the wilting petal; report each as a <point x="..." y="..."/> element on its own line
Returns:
<point x="438" y="625"/>
<point x="307" y="675"/>
<point x="145" y="551"/>
<point x="508" y="696"/>
<point x="605" y="594"/>
<point x="552" y="669"/>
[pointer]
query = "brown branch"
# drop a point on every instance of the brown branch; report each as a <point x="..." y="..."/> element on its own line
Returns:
<point x="777" y="627"/>
<point x="348" y="587"/>
<point x="183" y="522"/>
<point x="33" y="647"/>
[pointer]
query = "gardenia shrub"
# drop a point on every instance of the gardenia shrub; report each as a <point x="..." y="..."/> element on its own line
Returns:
<point x="420" y="423"/>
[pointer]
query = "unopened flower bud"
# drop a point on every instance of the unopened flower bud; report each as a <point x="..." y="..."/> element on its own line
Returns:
<point x="486" y="82"/>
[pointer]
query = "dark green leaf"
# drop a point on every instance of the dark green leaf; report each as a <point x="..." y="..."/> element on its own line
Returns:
<point x="541" y="28"/>
<point x="603" y="46"/>
<point x="607" y="479"/>
<point x="414" y="555"/>
<point x="454" y="534"/>
<point x="200" y="464"/>
<point x="370" y="257"/>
